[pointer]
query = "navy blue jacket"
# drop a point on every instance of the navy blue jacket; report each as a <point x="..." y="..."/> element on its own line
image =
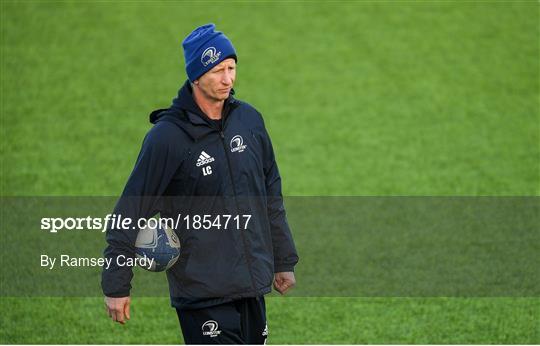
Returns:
<point x="171" y="176"/>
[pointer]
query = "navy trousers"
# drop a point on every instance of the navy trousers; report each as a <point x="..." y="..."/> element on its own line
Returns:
<point x="238" y="322"/>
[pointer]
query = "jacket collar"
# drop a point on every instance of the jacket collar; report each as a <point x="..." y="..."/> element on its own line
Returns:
<point x="185" y="101"/>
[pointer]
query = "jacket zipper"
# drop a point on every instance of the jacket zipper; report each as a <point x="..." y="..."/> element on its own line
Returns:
<point x="244" y="240"/>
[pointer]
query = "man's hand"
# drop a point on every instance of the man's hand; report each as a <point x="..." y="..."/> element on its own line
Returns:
<point x="284" y="281"/>
<point x="118" y="308"/>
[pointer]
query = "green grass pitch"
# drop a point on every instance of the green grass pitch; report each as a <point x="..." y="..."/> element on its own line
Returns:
<point x="360" y="98"/>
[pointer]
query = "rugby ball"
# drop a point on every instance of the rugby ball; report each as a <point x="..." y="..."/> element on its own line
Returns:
<point x="159" y="244"/>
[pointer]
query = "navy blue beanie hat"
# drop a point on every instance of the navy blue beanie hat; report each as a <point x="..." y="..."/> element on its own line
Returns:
<point x="204" y="48"/>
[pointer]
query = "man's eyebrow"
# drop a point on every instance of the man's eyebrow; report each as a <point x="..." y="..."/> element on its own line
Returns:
<point x="223" y="67"/>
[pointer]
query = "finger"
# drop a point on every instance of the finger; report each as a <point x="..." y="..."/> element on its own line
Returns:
<point x="120" y="317"/>
<point x="279" y="283"/>
<point x="280" y="288"/>
<point x="118" y="314"/>
<point x="285" y="287"/>
<point x="126" y="310"/>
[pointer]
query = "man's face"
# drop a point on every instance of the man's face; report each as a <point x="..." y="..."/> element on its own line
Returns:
<point x="217" y="83"/>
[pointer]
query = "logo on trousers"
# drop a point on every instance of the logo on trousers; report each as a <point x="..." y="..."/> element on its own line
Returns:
<point x="210" y="328"/>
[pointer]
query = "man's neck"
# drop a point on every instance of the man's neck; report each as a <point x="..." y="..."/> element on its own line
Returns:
<point x="212" y="108"/>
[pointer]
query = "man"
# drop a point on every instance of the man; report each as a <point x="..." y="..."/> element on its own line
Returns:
<point x="209" y="152"/>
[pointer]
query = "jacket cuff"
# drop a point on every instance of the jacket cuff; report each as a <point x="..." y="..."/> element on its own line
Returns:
<point x="279" y="268"/>
<point x="120" y="294"/>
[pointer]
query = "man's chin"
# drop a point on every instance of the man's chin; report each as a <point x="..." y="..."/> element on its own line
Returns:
<point x="221" y="96"/>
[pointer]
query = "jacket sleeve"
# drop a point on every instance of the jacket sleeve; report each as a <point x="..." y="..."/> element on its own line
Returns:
<point x="156" y="164"/>
<point x="285" y="255"/>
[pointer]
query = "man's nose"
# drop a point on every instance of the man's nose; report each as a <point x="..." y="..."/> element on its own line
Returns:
<point x="227" y="78"/>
